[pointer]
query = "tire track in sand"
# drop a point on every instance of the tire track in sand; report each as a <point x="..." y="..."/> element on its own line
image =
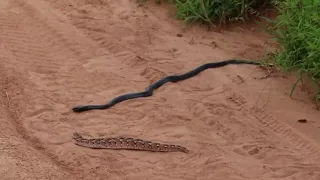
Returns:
<point x="297" y="151"/>
<point x="298" y="141"/>
<point x="25" y="50"/>
<point x="43" y="55"/>
<point x="56" y="81"/>
<point x="22" y="155"/>
<point x="238" y="129"/>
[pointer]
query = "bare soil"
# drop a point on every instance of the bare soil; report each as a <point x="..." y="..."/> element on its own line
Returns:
<point x="57" y="54"/>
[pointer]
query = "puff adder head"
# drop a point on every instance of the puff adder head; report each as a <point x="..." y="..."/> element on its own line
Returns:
<point x="76" y="136"/>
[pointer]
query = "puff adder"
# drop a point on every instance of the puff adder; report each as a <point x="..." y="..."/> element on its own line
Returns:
<point x="126" y="143"/>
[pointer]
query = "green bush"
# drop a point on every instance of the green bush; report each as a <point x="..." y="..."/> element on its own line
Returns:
<point x="205" y="10"/>
<point x="222" y="11"/>
<point x="297" y="30"/>
<point x="213" y="11"/>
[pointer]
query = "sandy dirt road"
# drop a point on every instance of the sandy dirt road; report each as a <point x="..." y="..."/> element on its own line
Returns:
<point x="56" y="54"/>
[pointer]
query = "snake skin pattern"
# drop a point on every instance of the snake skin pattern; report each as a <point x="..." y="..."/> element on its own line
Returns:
<point x="126" y="143"/>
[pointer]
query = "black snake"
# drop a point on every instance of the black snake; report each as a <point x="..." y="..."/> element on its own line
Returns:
<point x="175" y="78"/>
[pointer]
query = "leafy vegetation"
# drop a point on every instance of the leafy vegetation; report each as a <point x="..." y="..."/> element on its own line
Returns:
<point x="297" y="30"/>
<point x="215" y="11"/>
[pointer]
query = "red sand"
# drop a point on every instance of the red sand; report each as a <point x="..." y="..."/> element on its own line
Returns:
<point x="56" y="54"/>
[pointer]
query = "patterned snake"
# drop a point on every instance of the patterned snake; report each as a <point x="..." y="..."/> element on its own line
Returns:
<point x="149" y="90"/>
<point x="125" y="143"/>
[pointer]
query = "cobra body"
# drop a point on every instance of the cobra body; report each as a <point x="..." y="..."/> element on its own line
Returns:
<point x="174" y="78"/>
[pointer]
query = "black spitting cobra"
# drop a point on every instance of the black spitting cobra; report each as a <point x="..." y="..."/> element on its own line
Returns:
<point x="175" y="78"/>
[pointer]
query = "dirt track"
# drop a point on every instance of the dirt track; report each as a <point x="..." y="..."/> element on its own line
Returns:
<point x="56" y="54"/>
